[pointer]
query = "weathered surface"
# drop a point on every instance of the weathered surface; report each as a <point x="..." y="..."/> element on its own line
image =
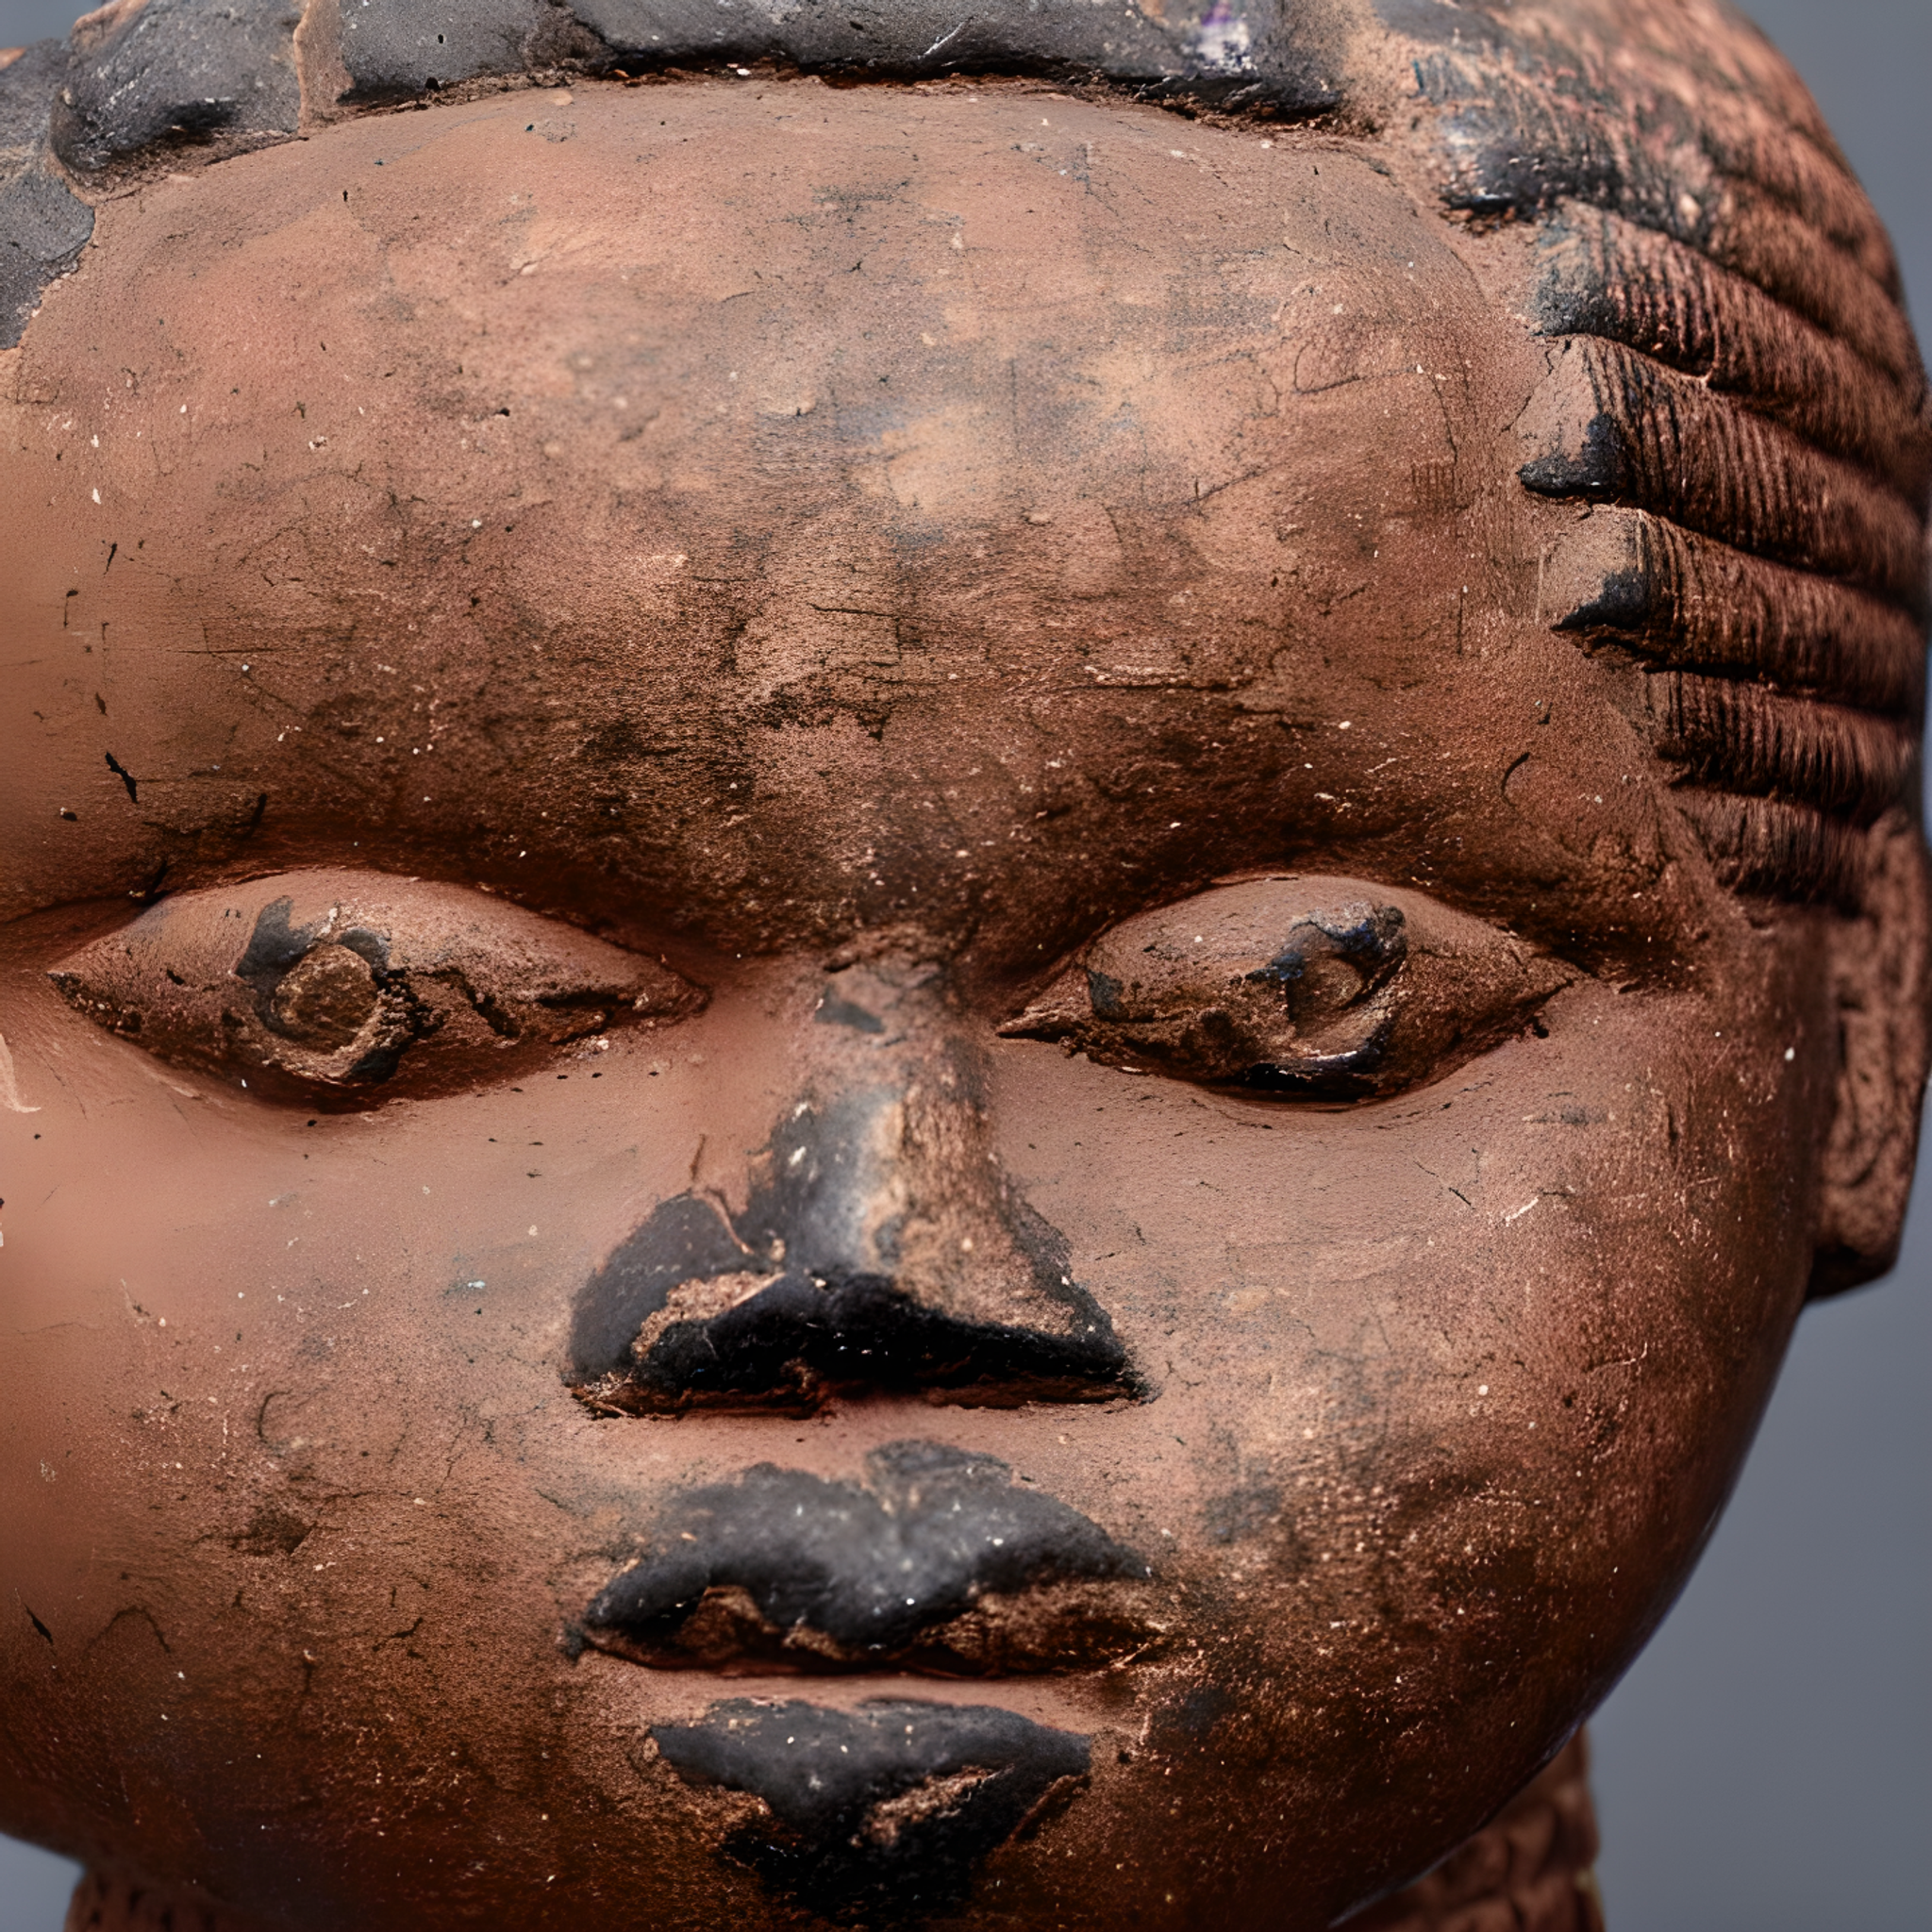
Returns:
<point x="392" y="47"/>
<point x="1210" y="813"/>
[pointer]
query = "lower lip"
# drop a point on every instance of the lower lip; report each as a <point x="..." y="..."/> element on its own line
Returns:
<point x="885" y="1811"/>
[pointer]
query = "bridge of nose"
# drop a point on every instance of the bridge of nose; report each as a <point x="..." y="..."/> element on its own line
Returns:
<point x="886" y="1166"/>
<point x="881" y="1243"/>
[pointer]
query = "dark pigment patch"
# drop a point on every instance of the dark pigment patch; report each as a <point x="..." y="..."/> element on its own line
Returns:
<point x="782" y="1565"/>
<point x="883" y="1813"/>
<point x="272" y="1532"/>
<point x="1183" y="1724"/>
<point x="178" y="71"/>
<point x="785" y="1309"/>
<point x="43" y="224"/>
<point x="126" y="776"/>
<point x="322" y="991"/>
<point x="833" y="1012"/>
<point x="1368" y="942"/>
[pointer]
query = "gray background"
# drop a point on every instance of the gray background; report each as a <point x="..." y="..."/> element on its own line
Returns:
<point x="1767" y="1764"/>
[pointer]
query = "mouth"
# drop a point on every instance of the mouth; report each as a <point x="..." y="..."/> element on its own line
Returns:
<point x="843" y="1275"/>
<point x="883" y="1813"/>
<point x="937" y="1561"/>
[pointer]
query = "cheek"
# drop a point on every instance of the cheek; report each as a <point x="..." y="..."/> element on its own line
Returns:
<point x="1475" y="1366"/>
<point x="285" y="1433"/>
<point x="212" y="1301"/>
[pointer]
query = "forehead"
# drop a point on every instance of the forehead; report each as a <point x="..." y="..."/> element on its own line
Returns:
<point x="802" y="509"/>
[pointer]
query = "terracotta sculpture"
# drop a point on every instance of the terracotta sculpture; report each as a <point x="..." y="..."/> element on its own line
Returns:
<point x="937" y="946"/>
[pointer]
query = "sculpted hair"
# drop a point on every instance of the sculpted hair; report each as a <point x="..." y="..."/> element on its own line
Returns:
<point x="1734" y="377"/>
<point x="1733" y="397"/>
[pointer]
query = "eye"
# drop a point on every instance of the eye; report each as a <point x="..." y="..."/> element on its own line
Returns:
<point x="1300" y="989"/>
<point x="351" y="986"/>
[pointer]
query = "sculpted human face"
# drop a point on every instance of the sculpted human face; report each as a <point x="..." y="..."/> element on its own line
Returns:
<point x="845" y="1076"/>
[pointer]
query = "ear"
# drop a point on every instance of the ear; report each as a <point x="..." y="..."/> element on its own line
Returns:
<point x="1882" y="978"/>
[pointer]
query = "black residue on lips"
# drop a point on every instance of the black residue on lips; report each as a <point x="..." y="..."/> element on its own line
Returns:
<point x="883" y="1813"/>
<point x="810" y="1323"/>
<point x="783" y="1565"/>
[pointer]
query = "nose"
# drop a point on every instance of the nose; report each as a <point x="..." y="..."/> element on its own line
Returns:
<point x="882" y="1246"/>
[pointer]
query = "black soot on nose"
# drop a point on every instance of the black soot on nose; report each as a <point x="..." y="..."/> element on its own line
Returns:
<point x="873" y="1254"/>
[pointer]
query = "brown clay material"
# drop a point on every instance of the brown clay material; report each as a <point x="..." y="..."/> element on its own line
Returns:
<point x="1528" y="1869"/>
<point x="928" y="1002"/>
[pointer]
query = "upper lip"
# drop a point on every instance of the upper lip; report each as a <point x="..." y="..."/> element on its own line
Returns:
<point x="938" y="1562"/>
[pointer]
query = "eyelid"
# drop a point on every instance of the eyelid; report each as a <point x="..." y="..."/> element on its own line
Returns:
<point x="353" y="985"/>
<point x="1297" y="987"/>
